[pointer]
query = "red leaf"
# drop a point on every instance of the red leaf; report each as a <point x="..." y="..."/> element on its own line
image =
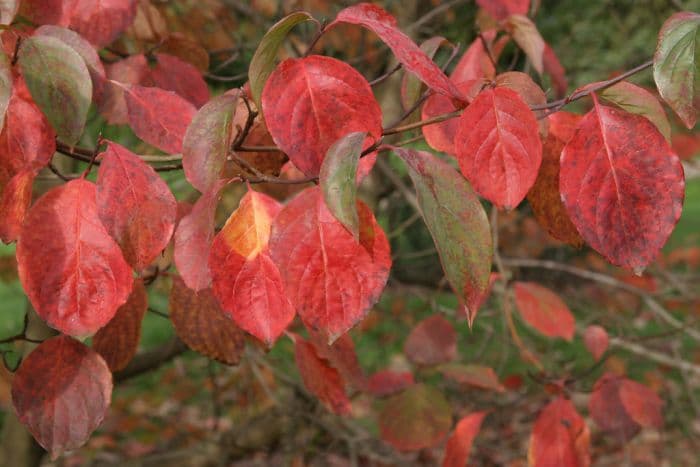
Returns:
<point x="61" y="392"/>
<point x="459" y="444"/>
<point x="530" y="92"/>
<point x="416" y="418"/>
<point x="411" y="86"/>
<point x="72" y="271"/>
<point x="474" y="64"/>
<point x="431" y="342"/>
<point x="201" y="324"/>
<point x="15" y="199"/>
<point x="501" y="9"/>
<point x="131" y="70"/>
<point x="158" y="117"/>
<point x="173" y="74"/>
<point x="135" y="205"/>
<point x="440" y="136"/>
<point x="498" y="147"/>
<point x="622" y="185"/>
<point x="118" y="342"/>
<point x="46" y="11"/>
<point x="102" y="21"/>
<point x="193" y="238"/>
<point x="641" y="403"/>
<point x="310" y="103"/>
<point x="406" y="51"/>
<point x="330" y="279"/>
<point x="246" y="282"/>
<point x="595" y="338"/>
<point x="686" y="146"/>
<point x="544" y="310"/>
<point x="319" y="378"/>
<point x="555" y="70"/>
<point x="606" y="408"/>
<point x="544" y="197"/>
<point x="477" y="376"/>
<point x="385" y="383"/>
<point x="560" y="437"/>
<point x="342" y="356"/>
<point x="27" y="139"/>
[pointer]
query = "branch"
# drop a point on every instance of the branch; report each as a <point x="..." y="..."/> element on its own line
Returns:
<point x="150" y="360"/>
<point x="652" y="304"/>
<point x="588" y="90"/>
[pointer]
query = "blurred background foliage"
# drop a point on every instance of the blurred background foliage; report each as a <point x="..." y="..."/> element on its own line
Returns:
<point x="193" y="411"/>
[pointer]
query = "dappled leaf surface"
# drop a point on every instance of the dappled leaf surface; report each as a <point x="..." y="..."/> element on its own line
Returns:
<point x="193" y="238"/>
<point x="544" y="197"/>
<point x="330" y="278"/>
<point x="637" y="100"/>
<point x="431" y="342"/>
<point x="61" y="392"/>
<point x="71" y="269"/>
<point x="622" y="186"/>
<point x="245" y="280"/>
<point x="596" y="340"/>
<point x="59" y="82"/>
<point x="406" y="51"/>
<point x="676" y="65"/>
<point x="158" y="117"/>
<point x="208" y="141"/>
<point x="337" y="180"/>
<point x="322" y="380"/>
<point x="309" y="103"/>
<point x="86" y="52"/>
<point x="5" y="84"/>
<point x="544" y="310"/>
<point x="135" y="205"/>
<point x="417" y="418"/>
<point x="459" y="444"/>
<point x="498" y="147"/>
<point x="118" y="342"/>
<point x="560" y="437"/>
<point x="201" y="324"/>
<point x="457" y="223"/>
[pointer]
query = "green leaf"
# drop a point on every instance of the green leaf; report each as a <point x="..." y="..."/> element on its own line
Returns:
<point x="458" y="224"/>
<point x="419" y="417"/>
<point x="337" y="180"/>
<point x="263" y="61"/>
<point x="639" y="101"/>
<point x="676" y="67"/>
<point x="59" y="83"/>
<point x="208" y="140"/>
